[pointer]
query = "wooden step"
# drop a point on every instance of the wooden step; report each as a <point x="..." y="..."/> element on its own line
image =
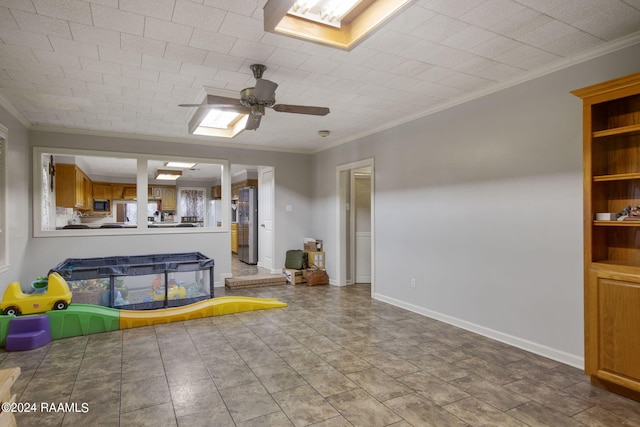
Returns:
<point x="257" y="280"/>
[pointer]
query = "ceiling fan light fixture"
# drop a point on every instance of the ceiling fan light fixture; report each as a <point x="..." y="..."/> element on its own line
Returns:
<point x="338" y="23"/>
<point x="213" y="122"/>
<point x="167" y="174"/>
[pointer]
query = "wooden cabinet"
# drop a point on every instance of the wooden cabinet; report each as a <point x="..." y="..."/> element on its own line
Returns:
<point x="234" y="238"/>
<point x="216" y="192"/>
<point x="169" y="199"/>
<point x="611" y="156"/>
<point x="102" y="190"/>
<point x="73" y="187"/>
<point x="117" y="190"/>
<point x="238" y="185"/>
<point x="129" y="192"/>
<point x="156" y="193"/>
<point x="167" y="195"/>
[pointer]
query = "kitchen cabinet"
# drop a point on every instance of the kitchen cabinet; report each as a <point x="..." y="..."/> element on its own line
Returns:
<point x="117" y="191"/>
<point x="167" y="194"/>
<point x="169" y="199"/>
<point x="234" y="238"/>
<point x="129" y="192"/>
<point x="102" y="190"/>
<point x="611" y="168"/>
<point x="156" y="193"/>
<point x="238" y="185"/>
<point x="216" y="192"/>
<point x="73" y="187"/>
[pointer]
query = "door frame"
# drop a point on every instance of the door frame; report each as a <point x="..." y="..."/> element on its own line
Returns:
<point x="342" y="218"/>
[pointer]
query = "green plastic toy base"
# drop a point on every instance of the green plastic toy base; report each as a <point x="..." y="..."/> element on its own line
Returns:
<point x="83" y="319"/>
<point x="4" y="328"/>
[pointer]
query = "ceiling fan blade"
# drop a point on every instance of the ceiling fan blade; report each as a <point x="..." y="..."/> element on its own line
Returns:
<point x="253" y="122"/>
<point x="301" y="109"/>
<point x="265" y="89"/>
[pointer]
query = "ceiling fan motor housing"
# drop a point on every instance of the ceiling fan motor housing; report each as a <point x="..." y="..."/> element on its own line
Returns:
<point x="248" y="99"/>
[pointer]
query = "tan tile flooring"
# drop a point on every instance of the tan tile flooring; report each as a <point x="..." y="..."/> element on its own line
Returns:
<point x="333" y="357"/>
<point x="239" y="268"/>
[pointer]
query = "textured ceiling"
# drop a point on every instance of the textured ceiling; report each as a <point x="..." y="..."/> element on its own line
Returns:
<point x="124" y="65"/>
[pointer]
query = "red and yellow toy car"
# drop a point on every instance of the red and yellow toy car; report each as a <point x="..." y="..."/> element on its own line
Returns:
<point x="56" y="297"/>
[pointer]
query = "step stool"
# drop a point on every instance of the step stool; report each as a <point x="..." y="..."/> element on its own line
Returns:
<point x="28" y="333"/>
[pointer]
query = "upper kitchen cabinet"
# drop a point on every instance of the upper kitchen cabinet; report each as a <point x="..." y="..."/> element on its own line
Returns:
<point x="216" y="192"/>
<point x="236" y="186"/>
<point x="102" y="190"/>
<point x="129" y="192"/>
<point x="611" y="156"/>
<point x="169" y="198"/>
<point x="73" y="187"/>
<point x="166" y="194"/>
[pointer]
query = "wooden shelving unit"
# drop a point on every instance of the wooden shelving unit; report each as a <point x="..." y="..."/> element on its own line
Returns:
<point x="611" y="156"/>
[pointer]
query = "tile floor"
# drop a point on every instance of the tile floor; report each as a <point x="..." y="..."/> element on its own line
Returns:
<point x="334" y="357"/>
<point x="239" y="268"/>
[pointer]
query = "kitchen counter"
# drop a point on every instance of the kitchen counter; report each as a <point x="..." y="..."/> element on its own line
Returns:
<point x="160" y="224"/>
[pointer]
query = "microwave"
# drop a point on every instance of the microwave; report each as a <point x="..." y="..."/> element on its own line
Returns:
<point x="101" y="205"/>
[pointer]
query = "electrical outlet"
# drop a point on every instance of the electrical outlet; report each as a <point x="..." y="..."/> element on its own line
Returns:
<point x="413" y="283"/>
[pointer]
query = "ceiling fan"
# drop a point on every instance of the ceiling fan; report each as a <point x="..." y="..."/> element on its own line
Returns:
<point x="254" y="100"/>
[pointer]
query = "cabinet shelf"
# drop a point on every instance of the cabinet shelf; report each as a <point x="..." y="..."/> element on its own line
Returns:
<point x="624" y="130"/>
<point x="622" y="266"/>
<point x="616" y="223"/>
<point x="616" y="177"/>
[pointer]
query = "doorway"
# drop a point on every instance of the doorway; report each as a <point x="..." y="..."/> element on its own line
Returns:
<point x="263" y="179"/>
<point x="355" y="220"/>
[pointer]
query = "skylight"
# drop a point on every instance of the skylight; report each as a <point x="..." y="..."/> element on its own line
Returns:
<point x="338" y="23"/>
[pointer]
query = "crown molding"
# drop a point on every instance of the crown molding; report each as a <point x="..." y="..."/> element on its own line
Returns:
<point x="4" y="102"/>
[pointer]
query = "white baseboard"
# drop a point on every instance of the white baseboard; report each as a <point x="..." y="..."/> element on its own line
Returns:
<point x="539" y="349"/>
<point x="335" y="283"/>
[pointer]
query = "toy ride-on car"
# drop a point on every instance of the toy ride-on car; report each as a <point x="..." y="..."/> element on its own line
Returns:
<point x="56" y="297"/>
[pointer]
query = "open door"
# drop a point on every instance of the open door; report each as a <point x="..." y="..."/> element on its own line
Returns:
<point x="266" y="202"/>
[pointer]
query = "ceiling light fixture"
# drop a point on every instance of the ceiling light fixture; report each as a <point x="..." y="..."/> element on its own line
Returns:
<point x="167" y="174"/>
<point x="216" y="122"/>
<point x="180" y="165"/>
<point x="338" y="23"/>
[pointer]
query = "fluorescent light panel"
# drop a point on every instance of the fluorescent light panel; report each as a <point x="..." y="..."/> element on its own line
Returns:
<point x="179" y="165"/>
<point x="342" y="24"/>
<point x="213" y="122"/>
<point x="167" y="174"/>
<point x="219" y="119"/>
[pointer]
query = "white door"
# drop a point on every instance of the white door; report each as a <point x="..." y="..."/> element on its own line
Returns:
<point x="265" y="217"/>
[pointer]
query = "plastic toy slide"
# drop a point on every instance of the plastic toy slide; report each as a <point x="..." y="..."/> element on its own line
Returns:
<point x="85" y="319"/>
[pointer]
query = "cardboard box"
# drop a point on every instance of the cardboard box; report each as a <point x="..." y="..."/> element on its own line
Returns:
<point x="295" y="277"/>
<point x="316" y="259"/>
<point x="312" y="245"/>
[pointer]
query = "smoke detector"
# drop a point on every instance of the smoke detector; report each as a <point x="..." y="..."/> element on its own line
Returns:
<point x="324" y="133"/>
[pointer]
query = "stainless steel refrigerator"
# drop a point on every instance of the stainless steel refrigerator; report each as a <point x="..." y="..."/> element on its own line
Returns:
<point x="248" y="225"/>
